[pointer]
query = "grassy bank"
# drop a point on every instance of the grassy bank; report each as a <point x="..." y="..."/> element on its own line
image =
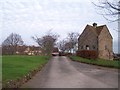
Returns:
<point x="14" y="67"/>
<point x="100" y="62"/>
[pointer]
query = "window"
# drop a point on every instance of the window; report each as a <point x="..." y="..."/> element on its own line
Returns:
<point x="87" y="47"/>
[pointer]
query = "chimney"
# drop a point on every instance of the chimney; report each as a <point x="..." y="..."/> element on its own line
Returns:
<point x="94" y="25"/>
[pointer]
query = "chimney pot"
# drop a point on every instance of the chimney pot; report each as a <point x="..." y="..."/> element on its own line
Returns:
<point x="95" y="25"/>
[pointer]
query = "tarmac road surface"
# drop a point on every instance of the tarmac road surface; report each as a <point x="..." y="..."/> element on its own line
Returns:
<point x="61" y="72"/>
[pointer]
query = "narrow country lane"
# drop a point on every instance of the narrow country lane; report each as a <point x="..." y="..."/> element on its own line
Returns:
<point x="61" y="72"/>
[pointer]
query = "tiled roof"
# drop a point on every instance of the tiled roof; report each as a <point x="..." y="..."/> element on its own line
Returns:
<point x="97" y="30"/>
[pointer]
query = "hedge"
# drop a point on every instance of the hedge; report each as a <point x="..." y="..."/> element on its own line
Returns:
<point x="90" y="54"/>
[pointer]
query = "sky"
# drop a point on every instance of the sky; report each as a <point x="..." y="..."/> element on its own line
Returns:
<point x="36" y="17"/>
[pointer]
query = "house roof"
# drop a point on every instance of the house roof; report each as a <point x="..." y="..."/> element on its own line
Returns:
<point x="98" y="29"/>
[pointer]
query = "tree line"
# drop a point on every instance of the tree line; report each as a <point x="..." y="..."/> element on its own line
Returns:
<point x="46" y="43"/>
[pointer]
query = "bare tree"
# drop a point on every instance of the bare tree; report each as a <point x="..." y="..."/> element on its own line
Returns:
<point x="62" y="46"/>
<point x="72" y="40"/>
<point x="65" y="46"/>
<point x="111" y="13"/>
<point x="12" y="41"/>
<point x="69" y="44"/>
<point x="111" y="9"/>
<point x="47" y="42"/>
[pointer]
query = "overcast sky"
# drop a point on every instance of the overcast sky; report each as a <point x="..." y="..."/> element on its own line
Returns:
<point x="36" y="17"/>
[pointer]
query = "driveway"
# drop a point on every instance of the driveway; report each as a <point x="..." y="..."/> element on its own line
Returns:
<point x="61" y="72"/>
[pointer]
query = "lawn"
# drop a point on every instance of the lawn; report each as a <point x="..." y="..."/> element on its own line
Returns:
<point x="100" y="62"/>
<point x="14" y="67"/>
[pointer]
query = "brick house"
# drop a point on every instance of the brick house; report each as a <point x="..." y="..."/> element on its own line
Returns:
<point x="33" y="50"/>
<point x="97" y="38"/>
<point x="22" y="50"/>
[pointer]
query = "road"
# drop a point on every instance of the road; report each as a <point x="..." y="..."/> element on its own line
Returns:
<point x="61" y="72"/>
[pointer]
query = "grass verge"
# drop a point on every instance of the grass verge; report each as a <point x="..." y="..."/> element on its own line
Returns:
<point x="16" y="66"/>
<point x="100" y="62"/>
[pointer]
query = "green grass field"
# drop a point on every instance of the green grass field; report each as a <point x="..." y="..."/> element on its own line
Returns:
<point x="100" y="62"/>
<point x="14" y="67"/>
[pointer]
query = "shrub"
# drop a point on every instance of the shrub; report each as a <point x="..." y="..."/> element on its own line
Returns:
<point x="90" y="54"/>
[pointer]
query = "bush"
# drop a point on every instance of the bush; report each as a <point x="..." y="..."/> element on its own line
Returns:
<point x="90" y="54"/>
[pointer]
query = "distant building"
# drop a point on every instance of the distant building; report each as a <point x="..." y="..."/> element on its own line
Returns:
<point x="97" y="38"/>
<point x="29" y="50"/>
<point x="22" y="50"/>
